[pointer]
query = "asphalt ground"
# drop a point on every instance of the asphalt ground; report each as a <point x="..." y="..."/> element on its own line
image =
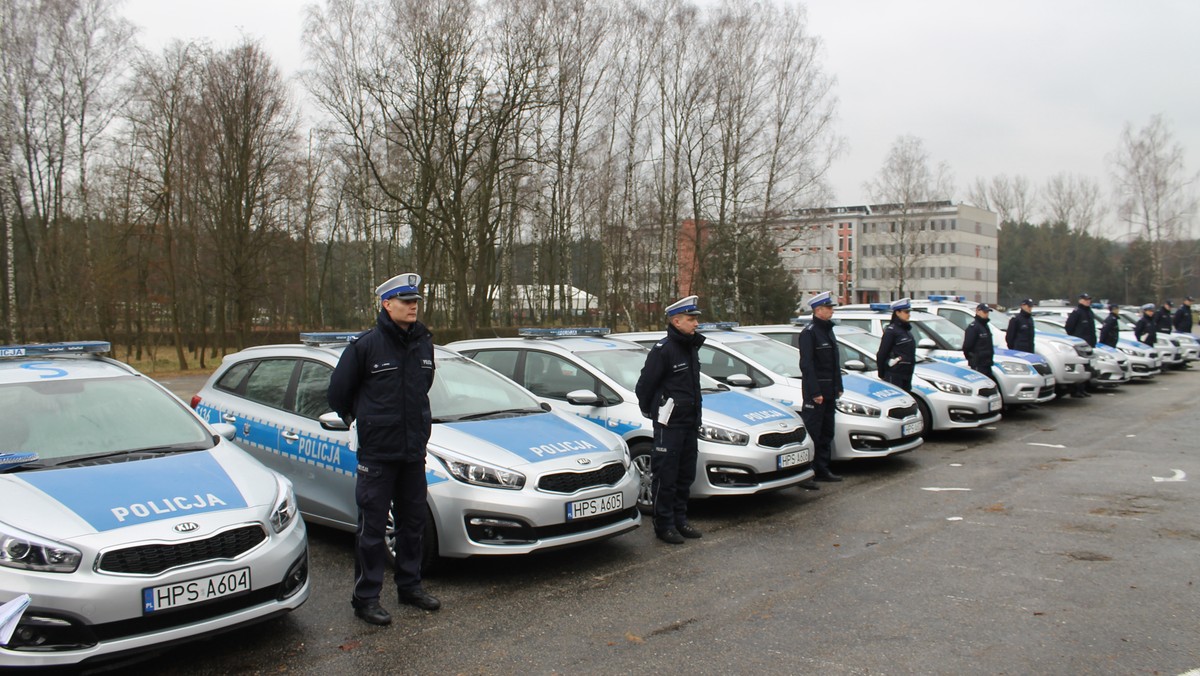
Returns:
<point x="1063" y="540"/>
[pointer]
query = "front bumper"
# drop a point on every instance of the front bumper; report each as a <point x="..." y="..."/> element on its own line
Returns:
<point x="745" y="470"/>
<point x="1110" y="372"/>
<point x="1033" y="388"/>
<point x="961" y="411"/>
<point x="857" y="436"/>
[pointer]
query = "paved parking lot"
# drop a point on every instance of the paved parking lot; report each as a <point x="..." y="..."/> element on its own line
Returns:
<point x="1065" y="540"/>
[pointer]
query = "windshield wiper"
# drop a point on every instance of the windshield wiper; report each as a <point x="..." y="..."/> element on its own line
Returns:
<point x="134" y="453"/>
<point x="477" y="416"/>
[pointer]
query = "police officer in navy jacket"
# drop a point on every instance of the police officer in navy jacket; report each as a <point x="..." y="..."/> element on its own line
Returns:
<point x="381" y="384"/>
<point x="1163" y="319"/>
<point x="668" y="392"/>
<point x="1019" y="335"/>
<point x="1183" y="317"/>
<point x="897" y="355"/>
<point x="1110" y="329"/>
<point x="821" y="374"/>
<point x="977" y="342"/>
<point x="1145" y="329"/>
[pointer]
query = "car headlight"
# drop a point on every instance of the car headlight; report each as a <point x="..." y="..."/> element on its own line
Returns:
<point x="1063" y="347"/>
<point x="285" y="509"/>
<point x="1131" y="351"/>
<point x="1015" y="368"/>
<point x="482" y="474"/>
<point x="1104" y="356"/>
<point x="854" y="408"/>
<point x="723" y="435"/>
<point x="27" y="551"/>
<point x="950" y="387"/>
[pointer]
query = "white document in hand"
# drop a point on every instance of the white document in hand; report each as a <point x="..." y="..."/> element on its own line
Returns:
<point x="664" y="412"/>
<point x="10" y="616"/>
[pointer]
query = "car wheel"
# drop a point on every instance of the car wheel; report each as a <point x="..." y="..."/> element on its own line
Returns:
<point x="429" y="542"/>
<point x="640" y="454"/>
<point x="926" y="416"/>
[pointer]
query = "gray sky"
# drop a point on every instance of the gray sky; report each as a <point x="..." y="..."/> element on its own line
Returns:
<point x="1016" y="87"/>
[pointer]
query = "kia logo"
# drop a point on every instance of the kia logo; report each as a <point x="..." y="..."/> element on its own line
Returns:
<point x="186" y="526"/>
<point x="583" y="461"/>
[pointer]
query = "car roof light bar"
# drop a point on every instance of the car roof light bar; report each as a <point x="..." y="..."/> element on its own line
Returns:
<point x="319" y="338"/>
<point x="720" y="326"/>
<point x="567" y="332"/>
<point x="942" y="299"/>
<point x="78" y="347"/>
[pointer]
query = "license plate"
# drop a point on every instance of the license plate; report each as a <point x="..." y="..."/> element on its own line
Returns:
<point x="913" y="428"/>
<point x="995" y="404"/>
<point x="794" y="458"/>
<point x="202" y="589"/>
<point x="582" y="509"/>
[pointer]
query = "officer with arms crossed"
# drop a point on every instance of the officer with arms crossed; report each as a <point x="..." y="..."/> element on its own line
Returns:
<point x="1145" y="329"/>
<point x="821" y="373"/>
<point x="1019" y="335"/>
<point x="668" y="392"/>
<point x="897" y="353"/>
<point x="381" y="384"/>
<point x="977" y="342"/>
<point x="1110" y="332"/>
<point x="1081" y="323"/>
<point x="1183" y="317"/>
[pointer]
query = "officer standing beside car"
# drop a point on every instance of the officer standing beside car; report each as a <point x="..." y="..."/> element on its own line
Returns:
<point x="381" y="385"/>
<point x="977" y="342"/>
<point x="1110" y="331"/>
<point x="897" y="355"/>
<point x="1163" y="318"/>
<point x="821" y="374"/>
<point x="1019" y="335"/>
<point x="1145" y="329"/>
<point x="1183" y="317"/>
<point x="668" y="392"/>
<point x="1081" y="323"/>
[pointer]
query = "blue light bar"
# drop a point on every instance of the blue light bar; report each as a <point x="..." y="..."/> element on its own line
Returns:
<point x="941" y="299"/>
<point x="802" y="321"/>
<point x="529" y="332"/>
<point x="80" y="347"/>
<point x="881" y="307"/>
<point x="718" y="326"/>
<point x="318" y="338"/>
<point x="10" y="459"/>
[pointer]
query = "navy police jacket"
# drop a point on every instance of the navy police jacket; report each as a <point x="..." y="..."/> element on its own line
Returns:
<point x="672" y="371"/>
<point x="897" y="354"/>
<point x="1183" y="319"/>
<point x="1019" y="335"/>
<point x="978" y="347"/>
<point x="1162" y="320"/>
<point x="1081" y="323"/>
<point x="382" y="380"/>
<point x="820" y="366"/>
<point x="1109" y="333"/>
<point x="1145" y="330"/>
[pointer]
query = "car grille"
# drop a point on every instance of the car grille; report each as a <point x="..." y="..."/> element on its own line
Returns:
<point x="573" y="482"/>
<point x="1041" y="368"/>
<point x="154" y="559"/>
<point x="987" y="391"/>
<point x="903" y="412"/>
<point x="781" y="439"/>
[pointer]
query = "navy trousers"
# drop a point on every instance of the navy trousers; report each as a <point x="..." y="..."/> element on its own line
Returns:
<point x="382" y="486"/>
<point x="818" y="420"/>
<point x="673" y="464"/>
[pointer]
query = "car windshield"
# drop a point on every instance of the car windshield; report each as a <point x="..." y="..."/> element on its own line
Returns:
<point x="71" y="419"/>
<point x="770" y="354"/>
<point x="865" y="345"/>
<point x="465" y="390"/>
<point x="939" y="329"/>
<point x="625" y="366"/>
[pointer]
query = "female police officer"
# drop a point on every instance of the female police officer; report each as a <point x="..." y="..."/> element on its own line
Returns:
<point x="897" y="353"/>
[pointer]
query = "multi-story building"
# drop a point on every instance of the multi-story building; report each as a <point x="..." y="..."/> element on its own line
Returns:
<point x="885" y="251"/>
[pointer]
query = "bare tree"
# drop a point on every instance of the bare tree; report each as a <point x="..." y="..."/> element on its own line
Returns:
<point x="1075" y="201"/>
<point x="903" y="184"/>
<point x="1155" y="195"/>
<point x="1012" y="198"/>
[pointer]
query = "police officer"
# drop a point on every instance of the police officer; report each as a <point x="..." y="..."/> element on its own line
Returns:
<point x="1183" y="317"/>
<point x="897" y="353"/>
<point x="977" y="342"/>
<point x="1145" y="329"/>
<point x="1163" y="318"/>
<point x="1019" y="335"/>
<point x="1109" y="330"/>
<point x="1081" y="323"/>
<point x="381" y="384"/>
<point x="821" y="374"/>
<point x="668" y="392"/>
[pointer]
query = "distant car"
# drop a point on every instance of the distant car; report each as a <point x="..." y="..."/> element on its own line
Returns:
<point x="950" y="396"/>
<point x="130" y="522"/>
<point x="1145" y="361"/>
<point x="505" y="475"/>
<point x="873" y="419"/>
<point x="747" y="444"/>
<point x="1110" y="366"/>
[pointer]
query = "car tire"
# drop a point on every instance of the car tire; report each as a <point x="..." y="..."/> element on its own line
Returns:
<point x="639" y="453"/>
<point x="927" y="416"/>
<point x="429" y="542"/>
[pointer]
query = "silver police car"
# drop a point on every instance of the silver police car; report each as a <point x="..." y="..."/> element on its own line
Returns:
<point x="128" y="521"/>
<point x="505" y="475"/>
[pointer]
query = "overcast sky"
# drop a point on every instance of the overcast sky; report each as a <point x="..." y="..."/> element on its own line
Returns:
<point x="1030" y="87"/>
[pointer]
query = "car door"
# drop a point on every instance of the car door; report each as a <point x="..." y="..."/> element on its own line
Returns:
<point x="254" y="393"/>
<point x="551" y="377"/>
<point x="321" y="461"/>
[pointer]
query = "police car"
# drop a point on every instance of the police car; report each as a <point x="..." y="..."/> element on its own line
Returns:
<point x="1145" y="361"/>
<point x="505" y="475"/>
<point x="1110" y="366"/>
<point x="128" y="521"/>
<point x="950" y="397"/>
<point x="1023" y="377"/>
<point x="873" y="419"/>
<point x="747" y="444"/>
<point x="1070" y="358"/>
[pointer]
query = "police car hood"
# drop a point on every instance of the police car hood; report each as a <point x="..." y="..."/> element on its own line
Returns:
<point x="1018" y="354"/>
<point x="1062" y="337"/>
<point x="740" y="411"/>
<point x="863" y="390"/>
<point x="201" y="487"/>
<point x="536" y="442"/>
<point x="942" y="370"/>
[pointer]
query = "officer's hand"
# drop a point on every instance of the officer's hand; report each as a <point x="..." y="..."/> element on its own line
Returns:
<point x="819" y="399"/>
<point x="646" y="414"/>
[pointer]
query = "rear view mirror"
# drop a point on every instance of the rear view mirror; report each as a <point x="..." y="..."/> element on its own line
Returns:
<point x="582" y="398"/>
<point x="855" y="365"/>
<point x="926" y="344"/>
<point x="333" y="422"/>
<point x="740" y="380"/>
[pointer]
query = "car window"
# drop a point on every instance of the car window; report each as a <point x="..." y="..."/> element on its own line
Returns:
<point x="312" y="389"/>
<point x="268" y="383"/>
<point x="548" y="375"/>
<point x="720" y="365"/>
<point x="773" y="356"/>
<point x="464" y="389"/>
<point x="233" y="378"/>
<point x="960" y="319"/>
<point x="864" y="324"/>
<point x="503" y="361"/>
<point x="788" y="339"/>
<point x="940" y="330"/>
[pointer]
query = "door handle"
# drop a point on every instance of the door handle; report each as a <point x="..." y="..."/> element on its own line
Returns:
<point x="290" y="436"/>
<point x="229" y="418"/>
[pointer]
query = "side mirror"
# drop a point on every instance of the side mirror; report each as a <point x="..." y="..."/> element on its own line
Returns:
<point x="225" y="430"/>
<point x="546" y="407"/>
<point x="582" y="398"/>
<point x="855" y="365"/>
<point x="926" y="344"/>
<point x="740" y="380"/>
<point x="333" y="422"/>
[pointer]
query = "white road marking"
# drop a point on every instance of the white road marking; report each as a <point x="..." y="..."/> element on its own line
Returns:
<point x="1130" y="436"/>
<point x="1177" y="475"/>
<point x="954" y="518"/>
<point x="1034" y="443"/>
<point x="935" y="488"/>
<point x="956" y="464"/>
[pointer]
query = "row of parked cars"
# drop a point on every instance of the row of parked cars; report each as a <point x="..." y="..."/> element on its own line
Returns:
<point x="143" y="522"/>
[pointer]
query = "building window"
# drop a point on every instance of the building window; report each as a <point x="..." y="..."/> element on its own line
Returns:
<point x="954" y="224"/>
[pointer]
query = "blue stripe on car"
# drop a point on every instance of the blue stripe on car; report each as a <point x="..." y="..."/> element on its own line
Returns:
<point x="534" y="438"/>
